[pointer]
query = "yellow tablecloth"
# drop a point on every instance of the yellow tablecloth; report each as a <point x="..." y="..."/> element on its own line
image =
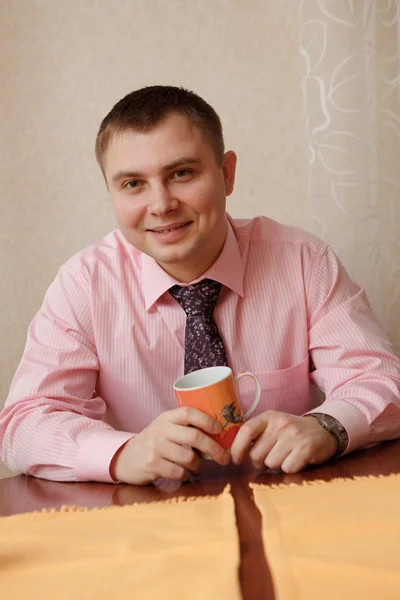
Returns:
<point x="186" y="549"/>
<point x="338" y="540"/>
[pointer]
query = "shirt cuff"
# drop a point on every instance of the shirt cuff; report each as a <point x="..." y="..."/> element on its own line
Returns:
<point x="352" y="419"/>
<point x="96" y="453"/>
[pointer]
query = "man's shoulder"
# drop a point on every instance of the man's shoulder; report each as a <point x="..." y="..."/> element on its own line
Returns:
<point x="263" y="230"/>
<point x="111" y="249"/>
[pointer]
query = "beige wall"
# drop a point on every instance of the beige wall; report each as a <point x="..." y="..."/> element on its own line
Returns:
<point x="64" y="64"/>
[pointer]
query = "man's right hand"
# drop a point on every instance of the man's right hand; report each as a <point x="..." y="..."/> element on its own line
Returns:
<point x="166" y="448"/>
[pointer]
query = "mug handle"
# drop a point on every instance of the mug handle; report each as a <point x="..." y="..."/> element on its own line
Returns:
<point x="258" y="391"/>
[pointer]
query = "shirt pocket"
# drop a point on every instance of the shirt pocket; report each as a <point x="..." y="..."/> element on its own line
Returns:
<point x="286" y="390"/>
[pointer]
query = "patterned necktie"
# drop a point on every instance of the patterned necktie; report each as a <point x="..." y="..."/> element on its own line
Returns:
<point x="203" y="344"/>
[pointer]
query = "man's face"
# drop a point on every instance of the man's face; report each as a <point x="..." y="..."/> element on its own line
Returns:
<point x="169" y="194"/>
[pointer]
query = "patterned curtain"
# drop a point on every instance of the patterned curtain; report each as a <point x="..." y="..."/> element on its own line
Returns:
<point x="351" y="86"/>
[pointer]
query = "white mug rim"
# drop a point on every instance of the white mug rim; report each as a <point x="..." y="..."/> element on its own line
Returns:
<point x="225" y="372"/>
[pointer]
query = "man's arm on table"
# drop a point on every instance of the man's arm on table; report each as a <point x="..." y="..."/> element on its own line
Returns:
<point x="52" y="425"/>
<point x="354" y="365"/>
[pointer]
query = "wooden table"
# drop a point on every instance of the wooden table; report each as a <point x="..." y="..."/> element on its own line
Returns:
<point x="25" y="494"/>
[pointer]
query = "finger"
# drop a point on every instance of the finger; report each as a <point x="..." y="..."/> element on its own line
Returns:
<point x="248" y="432"/>
<point x="169" y="470"/>
<point x="186" y="457"/>
<point x="278" y="453"/>
<point x="190" y="436"/>
<point x="261" y="448"/>
<point x="295" y="461"/>
<point x="191" y="416"/>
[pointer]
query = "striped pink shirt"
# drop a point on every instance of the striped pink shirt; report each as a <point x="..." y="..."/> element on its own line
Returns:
<point x="108" y="343"/>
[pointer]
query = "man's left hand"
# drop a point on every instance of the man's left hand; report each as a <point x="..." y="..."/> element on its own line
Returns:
<point x="283" y="441"/>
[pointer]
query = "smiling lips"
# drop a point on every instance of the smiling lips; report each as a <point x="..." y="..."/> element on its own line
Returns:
<point x="169" y="229"/>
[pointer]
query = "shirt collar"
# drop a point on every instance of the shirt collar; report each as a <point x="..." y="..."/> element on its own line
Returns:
<point x="228" y="269"/>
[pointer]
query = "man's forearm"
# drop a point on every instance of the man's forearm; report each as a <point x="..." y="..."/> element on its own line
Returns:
<point x="58" y="445"/>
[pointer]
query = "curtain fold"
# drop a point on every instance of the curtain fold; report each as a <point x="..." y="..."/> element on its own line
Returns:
<point x="351" y="86"/>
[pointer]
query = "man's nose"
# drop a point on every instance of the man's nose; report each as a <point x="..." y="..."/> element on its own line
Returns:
<point x="161" y="200"/>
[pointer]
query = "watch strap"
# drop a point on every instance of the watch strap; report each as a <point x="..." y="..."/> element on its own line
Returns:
<point x="334" y="427"/>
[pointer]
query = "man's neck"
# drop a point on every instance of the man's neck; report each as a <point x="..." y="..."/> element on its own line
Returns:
<point x="186" y="274"/>
<point x="189" y="273"/>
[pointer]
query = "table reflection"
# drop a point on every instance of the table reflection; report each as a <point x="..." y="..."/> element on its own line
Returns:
<point x="21" y="494"/>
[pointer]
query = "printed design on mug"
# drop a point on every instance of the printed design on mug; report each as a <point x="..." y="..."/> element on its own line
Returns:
<point x="230" y="416"/>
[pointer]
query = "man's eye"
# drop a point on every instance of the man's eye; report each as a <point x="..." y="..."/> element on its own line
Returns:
<point x="182" y="173"/>
<point x="132" y="184"/>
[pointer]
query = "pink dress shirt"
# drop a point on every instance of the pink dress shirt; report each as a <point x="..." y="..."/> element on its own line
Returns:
<point x="108" y="342"/>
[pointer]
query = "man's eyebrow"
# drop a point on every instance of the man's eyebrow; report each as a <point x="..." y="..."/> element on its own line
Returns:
<point x="126" y="174"/>
<point x="184" y="160"/>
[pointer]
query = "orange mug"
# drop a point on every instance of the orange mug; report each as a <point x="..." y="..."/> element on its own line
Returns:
<point x="213" y="391"/>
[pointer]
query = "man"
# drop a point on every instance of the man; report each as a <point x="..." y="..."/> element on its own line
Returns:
<point x="92" y="398"/>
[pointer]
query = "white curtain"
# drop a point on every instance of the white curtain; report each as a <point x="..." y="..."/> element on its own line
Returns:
<point x="351" y="86"/>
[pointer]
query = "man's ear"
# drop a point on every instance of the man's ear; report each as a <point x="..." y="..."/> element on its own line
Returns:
<point x="229" y="170"/>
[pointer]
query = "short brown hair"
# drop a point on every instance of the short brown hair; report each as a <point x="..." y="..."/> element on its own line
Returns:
<point x="144" y="108"/>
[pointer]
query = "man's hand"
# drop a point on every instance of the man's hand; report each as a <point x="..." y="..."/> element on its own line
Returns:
<point x="166" y="448"/>
<point x="283" y="441"/>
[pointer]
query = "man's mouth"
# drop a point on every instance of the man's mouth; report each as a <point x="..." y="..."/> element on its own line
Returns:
<point x="170" y="228"/>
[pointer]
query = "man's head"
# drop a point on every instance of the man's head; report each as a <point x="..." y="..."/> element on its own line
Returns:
<point x="142" y="109"/>
<point x="162" y="156"/>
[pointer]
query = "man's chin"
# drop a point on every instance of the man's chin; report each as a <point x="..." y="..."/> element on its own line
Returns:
<point x="173" y="253"/>
<point x="170" y="259"/>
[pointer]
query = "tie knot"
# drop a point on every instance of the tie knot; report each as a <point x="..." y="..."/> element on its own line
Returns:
<point x="197" y="299"/>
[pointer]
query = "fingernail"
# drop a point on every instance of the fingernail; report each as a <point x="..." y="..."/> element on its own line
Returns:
<point x="217" y="427"/>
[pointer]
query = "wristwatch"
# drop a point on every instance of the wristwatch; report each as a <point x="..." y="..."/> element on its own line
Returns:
<point x="334" y="427"/>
